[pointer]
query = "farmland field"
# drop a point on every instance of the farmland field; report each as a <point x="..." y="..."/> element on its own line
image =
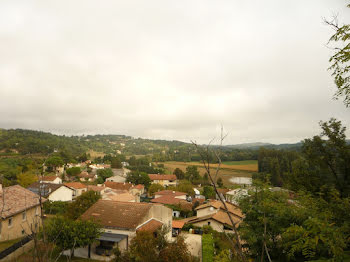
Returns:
<point x="251" y="165"/>
<point x="226" y="172"/>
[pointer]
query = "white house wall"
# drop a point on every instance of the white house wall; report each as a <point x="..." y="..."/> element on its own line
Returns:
<point x="61" y="194"/>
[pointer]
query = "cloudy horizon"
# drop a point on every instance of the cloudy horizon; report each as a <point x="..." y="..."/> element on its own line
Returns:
<point x="174" y="70"/>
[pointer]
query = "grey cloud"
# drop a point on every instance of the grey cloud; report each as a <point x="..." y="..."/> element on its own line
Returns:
<point x="168" y="69"/>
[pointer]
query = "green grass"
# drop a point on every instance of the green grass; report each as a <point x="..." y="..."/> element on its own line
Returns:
<point x="6" y="244"/>
<point x="237" y="163"/>
<point x="207" y="248"/>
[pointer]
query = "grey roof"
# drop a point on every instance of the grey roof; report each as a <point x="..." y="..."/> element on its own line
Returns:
<point x="112" y="237"/>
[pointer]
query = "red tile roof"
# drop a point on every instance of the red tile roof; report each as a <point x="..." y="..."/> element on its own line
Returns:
<point x="161" y="177"/>
<point x="170" y="193"/>
<point x="48" y="178"/>
<point x="118" y="186"/>
<point x="139" y="186"/>
<point x="150" y="226"/>
<point x="17" y="199"/>
<point x="178" y="224"/>
<point x="218" y="205"/>
<point x="75" y="185"/>
<point x="121" y="215"/>
<point x="86" y="175"/>
<point x="167" y="200"/>
<point x="95" y="188"/>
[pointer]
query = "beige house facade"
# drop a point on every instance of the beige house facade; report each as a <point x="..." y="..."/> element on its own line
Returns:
<point x="20" y="214"/>
<point x="164" y="180"/>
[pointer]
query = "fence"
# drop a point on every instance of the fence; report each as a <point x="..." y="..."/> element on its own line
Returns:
<point x="15" y="246"/>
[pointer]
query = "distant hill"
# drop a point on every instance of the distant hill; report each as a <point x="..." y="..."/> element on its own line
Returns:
<point x="257" y="145"/>
<point x="249" y="145"/>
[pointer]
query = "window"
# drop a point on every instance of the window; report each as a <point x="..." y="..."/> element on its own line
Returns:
<point x="24" y="215"/>
<point x="208" y="223"/>
<point x="23" y="232"/>
<point x="10" y="221"/>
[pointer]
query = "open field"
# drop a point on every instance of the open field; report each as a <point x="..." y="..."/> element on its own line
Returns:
<point x="226" y="172"/>
<point x="251" y="165"/>
<point x="95" y="154"/>
<point x="240" y="163"/>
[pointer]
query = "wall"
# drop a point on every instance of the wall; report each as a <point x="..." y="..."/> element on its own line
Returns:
<point x="18" y="225"/>
<point x="214" y="224"/>
<point x="14" y="255"/>
<point x="206" y="211"/>
<point x="62" y="194"/>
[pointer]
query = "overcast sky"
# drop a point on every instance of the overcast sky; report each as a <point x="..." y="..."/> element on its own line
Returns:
<point x="169" y="69"/>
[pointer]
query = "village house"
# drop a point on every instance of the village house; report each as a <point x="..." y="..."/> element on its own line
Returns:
<point x="99" y="189"/>
<point x="85" y="176"/>
<point x="137" y="190"/>
<point x="119" y="195"/>
<point x="122" y="220"/>
<point x="77" y="187"/>
<point x="51" y="179"/>
<point x="235" y="195"/>
<point x="164" y="180"/>
<point x="175" y="194"/>
<point x="53" y="192"/>
<point x="20" y="212"/>
<point x="214" y="214"/>
<point x="175" y="198"/>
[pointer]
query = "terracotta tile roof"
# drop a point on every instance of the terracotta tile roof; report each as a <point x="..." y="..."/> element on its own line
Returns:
<point x="150" y="226"/>
<point x="113" y="214"/>
<point x="121" y="197"/>
<point x="218" y="205"/>
<point x="48" y="178"/>
<point x="139" y="186"/>
<point x="17" y="199"/>
<point x="220" y="217"/>
<point x="161" y="177"/>
<point x="170" y="193"/>
<point x="168" y="200"/>
<point x="95" y="188"/>
<point x="75" y="185"/>
<point x="178" y="224"/>
<point x="86" y="175"/>
<point x="117" y="185"/>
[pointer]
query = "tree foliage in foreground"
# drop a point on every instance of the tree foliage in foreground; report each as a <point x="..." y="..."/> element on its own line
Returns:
<point x="81" y="204"/>
<point x="340" y="60"/>
<point x="69" y="234"/>
<point x="297" y="229"/>
<point x="148" y="248"/>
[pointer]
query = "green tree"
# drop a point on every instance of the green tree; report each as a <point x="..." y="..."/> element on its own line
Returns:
<point x="208" y="192"/>
<point x="220" y="182"/>
<point x="179" y="173"/>
<point x="340" y="60"/>
<point x="81" y="204"/>
<point x="116" y="163"/>
<point x="103" y="174"/>
<point x="192" y="174"/>
<point x="137" y="177"/>
<point x="155" y="188"/>
<point x="186" y="187"/>
<point x="329" y="155"/>
<point x="53" y="162"/>
<point x="69" y="234"/>
<point x="26" y="179"/>
<point x="73" y="171"/>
